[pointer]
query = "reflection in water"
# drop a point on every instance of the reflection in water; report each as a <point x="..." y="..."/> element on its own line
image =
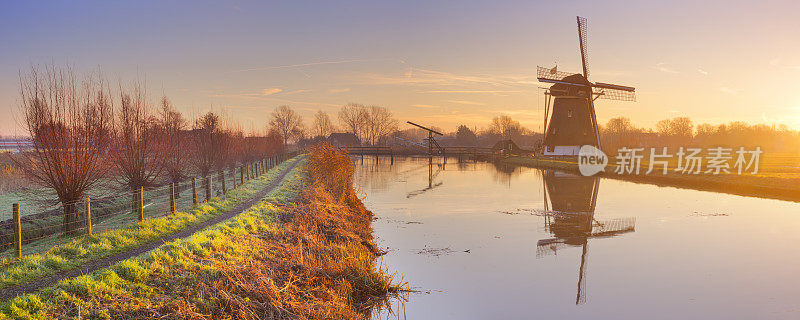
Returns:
<point x="571" y="221"/>
<point x="503" y="173"/>
<point x="432" y="174"/>
<point x="700" y="255"/>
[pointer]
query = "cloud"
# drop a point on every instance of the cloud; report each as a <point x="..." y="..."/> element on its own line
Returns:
<point x="661" y="66"/>
<point x="728" y="90"/>
<point x="703" y="72"/>
<point x="338" y="90"/>
<point x="425" y="106"/>
<point x="427" y="77"/>
<point x="262" y="97"/>
<point x="295" y="92"/>
<point x="472" y="91"/>
<point x="271" y="91"/>
<point x="467" y="102"/>
<point x="777" y="62"/>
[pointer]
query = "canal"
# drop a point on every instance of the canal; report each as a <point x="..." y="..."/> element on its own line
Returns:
<point x="480" y="241"/>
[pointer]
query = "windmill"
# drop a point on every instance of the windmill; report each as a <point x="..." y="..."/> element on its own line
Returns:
<point x="573" y="122"/>
<point x="572" y="221"/>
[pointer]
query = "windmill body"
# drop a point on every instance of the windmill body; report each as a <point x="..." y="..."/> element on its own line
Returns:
<point x="573" y="123"/>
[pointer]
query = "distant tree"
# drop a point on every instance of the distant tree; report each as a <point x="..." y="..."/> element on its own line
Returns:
<point x="465" y="136"/>
<point x="675" y="131"/>
<point x="287" y="122"/>
<point x="506" y="127"/>
<point x="353" y="118"/>
<point x="378" y="123"/>
<point x="677" y="127"/>
<point x="176" y="155"/>
<point x="71" y="128"/>
<point x="274" y="142"/>
<point x="618" y="126"/>
<point x="322" y="126"/>
<point x="208" y="142"/>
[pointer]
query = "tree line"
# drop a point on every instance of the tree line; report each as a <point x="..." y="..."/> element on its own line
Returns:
<point x="681" y="131"/>
<point x="85" y="135"/>
<point x="370" y="124"/>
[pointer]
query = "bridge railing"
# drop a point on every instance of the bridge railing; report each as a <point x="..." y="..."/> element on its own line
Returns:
<point x="380" y="150"/>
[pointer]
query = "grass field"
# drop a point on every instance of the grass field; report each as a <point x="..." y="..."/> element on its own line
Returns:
<point x="304" y="252"/>
<point x="83" y="248"/>
<point x="42" y="232"/>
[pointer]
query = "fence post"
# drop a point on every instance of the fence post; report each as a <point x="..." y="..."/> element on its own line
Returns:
<point x="222" y="176"/>
<point x="241" y="174"/>
<point x="17" y="230"/>
<point x="141" y="204"/>
<point x="89" y="216"/>
<point x="209" y="188"/>
<point x="234" y="177"/>
<point x="172" y="198"/>
<point x="194" y="190"/>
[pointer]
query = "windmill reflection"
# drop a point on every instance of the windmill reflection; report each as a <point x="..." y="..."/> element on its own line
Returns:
<point x="570" y="219"/>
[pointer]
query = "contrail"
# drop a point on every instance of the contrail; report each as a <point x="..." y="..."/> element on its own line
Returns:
<point x="304" y="65"/>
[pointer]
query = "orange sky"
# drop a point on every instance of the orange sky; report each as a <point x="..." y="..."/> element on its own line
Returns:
<point x="435" y="63"/>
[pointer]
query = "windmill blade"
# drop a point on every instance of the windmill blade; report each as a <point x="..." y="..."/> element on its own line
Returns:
<point x="547" y="247"/>
<point x="614" y="94"/>
<point x="543" y="73"/>
<point x="613" y="227"/>
<point x="584" y="46"/>
<point x="581" y="296"/>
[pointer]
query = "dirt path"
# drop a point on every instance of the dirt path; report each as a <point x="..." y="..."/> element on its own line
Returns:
<point x="91" y="266"/>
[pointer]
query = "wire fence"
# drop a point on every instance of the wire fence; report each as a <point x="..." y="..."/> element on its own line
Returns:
<point x="24" y="233"/>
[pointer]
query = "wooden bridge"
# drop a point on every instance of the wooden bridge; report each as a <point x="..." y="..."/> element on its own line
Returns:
<point x="454" y="151"/>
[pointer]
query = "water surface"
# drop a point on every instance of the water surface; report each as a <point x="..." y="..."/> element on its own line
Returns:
<point x="487" y="242"/>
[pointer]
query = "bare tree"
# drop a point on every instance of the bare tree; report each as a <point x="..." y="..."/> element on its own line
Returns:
<point x="70" y="125"/>
<point x="353" y="118"/>
<point x="379" y="122"/>
<point x="322" y="126"/>
<point x="287" y="122"/>
<point x="176" y="155"/>
<point x="207" y="136"/>
<point x="138" y="151"/>
<point x="506" y="127"/>
<point x="273" y="141"/>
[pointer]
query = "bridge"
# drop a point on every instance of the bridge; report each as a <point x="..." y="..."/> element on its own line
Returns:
<point x="412" y="149"/>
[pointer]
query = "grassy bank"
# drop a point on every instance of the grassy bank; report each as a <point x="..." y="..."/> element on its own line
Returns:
<point x="84" y="249"/>
<point x="773" y="180"/>
<point x="305" y="252"/>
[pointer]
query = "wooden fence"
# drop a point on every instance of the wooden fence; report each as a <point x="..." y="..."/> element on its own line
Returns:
<point x="41" y="231"/>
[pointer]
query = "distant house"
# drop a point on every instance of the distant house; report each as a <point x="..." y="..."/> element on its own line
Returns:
<point x="344" y="139"/>
<point x="508" y="147"/>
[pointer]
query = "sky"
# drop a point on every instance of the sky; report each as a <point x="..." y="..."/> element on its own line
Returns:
<point x="439" y="63"/>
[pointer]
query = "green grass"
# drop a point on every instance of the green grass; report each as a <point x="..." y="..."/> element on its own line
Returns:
<point x="84" y="249"/>
<point x="126" y="282"/>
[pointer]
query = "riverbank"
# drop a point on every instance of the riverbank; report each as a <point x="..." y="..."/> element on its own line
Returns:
<point x="773" y="185"/>
<point x="304" y="251"/>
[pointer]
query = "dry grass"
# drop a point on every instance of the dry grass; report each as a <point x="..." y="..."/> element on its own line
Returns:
<point x="318" y="265"/>
<point x="11" y="177"/>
